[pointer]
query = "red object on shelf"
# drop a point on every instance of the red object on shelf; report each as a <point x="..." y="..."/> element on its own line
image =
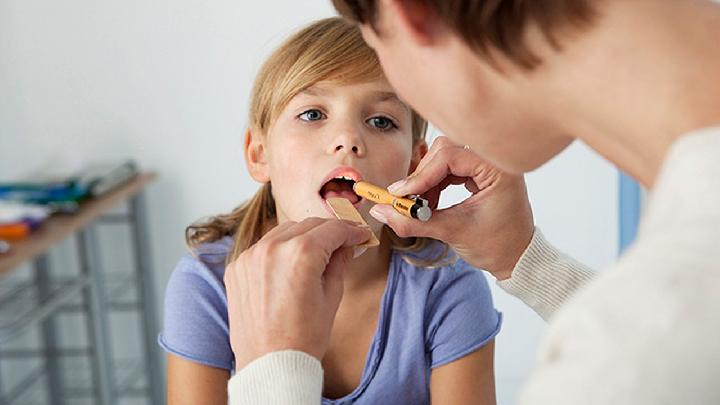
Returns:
<point x="15" y="232"/>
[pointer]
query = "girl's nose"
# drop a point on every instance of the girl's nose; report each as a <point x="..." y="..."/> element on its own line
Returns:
<point x="354" y="148"/>
<point x="348" y="143"/>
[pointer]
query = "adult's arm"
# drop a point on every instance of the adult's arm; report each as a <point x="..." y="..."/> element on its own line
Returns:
<point x="492" y="229"/>
<point x="544" y="277"/>
<point x="283" y="294"/>
<point x="278" y="378"/>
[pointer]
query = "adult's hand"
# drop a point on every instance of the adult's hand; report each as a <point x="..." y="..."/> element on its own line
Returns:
<point x="284" y="291"/>
<point x="490" y="229"/>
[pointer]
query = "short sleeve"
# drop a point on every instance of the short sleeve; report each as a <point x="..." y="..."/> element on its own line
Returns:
<point x="460" y="315"/>
<point x="195" y="325"/>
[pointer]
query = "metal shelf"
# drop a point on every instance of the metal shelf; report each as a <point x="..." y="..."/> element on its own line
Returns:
<point x="78" y="384"/>
<point x="23" y="394"/>
<point x="121" y="294"/>
<point x="129" y="381"/>
<point x="86" y="373"/>
<point x="22" y="307"/>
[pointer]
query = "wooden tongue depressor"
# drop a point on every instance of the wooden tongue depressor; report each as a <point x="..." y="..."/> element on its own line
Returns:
<point x="343" y="209"/>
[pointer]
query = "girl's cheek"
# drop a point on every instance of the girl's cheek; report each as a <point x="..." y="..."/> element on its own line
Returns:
<point x="286" y="149"/>
<point x="396" y="164"/>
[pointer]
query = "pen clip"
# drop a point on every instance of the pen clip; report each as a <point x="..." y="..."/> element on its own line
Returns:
<point x="419" y="200"/>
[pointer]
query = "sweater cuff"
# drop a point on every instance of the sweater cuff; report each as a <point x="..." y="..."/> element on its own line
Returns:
<point x="544" y="278"/>
<point x="285" y="377"/>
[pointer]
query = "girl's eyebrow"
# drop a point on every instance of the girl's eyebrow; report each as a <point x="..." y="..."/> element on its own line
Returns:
<point x="382" y="96"/>
<point x="377" y="96"/>
<point x="313" y="91"/>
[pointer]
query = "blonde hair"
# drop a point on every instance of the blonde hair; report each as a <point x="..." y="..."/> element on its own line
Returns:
<point x="330" y="50"/>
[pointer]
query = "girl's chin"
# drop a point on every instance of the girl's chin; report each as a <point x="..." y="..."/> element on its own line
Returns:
<point x="324" y="211"/>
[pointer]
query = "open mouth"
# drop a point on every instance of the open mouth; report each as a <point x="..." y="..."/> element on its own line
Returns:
<point x="340" y="187"/>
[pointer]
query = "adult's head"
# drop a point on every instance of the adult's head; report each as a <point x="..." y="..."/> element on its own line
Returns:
<point x="454" y="58"/>
<point x="519" y="79"/>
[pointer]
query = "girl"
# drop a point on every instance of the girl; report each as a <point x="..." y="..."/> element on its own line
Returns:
<point x="323" y="116"/>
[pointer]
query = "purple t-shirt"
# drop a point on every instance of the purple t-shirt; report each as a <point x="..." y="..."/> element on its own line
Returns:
<point x="428" y="317"/>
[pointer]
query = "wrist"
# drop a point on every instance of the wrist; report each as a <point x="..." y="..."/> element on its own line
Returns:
<point x="271" y="356"/>
<point x="279" y="377"/>
<point x="504" y="273"/>
<point x="243" y="360"/>
<point x="505" y="268"/>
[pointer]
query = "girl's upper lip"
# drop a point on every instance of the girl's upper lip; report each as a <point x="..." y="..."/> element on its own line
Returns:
<point x="342" y="171"/>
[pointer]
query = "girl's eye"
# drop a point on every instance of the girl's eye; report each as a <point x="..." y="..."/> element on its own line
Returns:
<point x="382" y="123"/>
<point x="312" y="115"/>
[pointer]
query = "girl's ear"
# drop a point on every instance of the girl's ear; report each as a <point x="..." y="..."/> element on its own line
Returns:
<point x="419" y="151"/>
<point x="255" y="157"/>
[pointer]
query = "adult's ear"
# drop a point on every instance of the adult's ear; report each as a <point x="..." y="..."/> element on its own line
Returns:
<point x="412" y="18"/>
<point x="256" y="156"/>
<point x="419" y="151"/>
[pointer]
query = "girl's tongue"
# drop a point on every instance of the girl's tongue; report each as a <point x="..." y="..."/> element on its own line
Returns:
<point x="339" y="189"/>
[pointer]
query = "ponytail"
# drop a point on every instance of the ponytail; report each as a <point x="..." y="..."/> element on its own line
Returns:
<point x="246" y="223"/>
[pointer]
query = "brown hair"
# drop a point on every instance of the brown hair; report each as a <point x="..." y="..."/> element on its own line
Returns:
<point x="497" y="24"/>
<point x="330" y="50"/>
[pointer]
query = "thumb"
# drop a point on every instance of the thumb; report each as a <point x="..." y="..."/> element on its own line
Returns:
<point x="333" y="276"/>
<point x="403" y="226"/>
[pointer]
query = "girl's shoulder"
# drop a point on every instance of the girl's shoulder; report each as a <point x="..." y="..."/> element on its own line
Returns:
<point x="195" y="322"/>
<point x="213" y="252"/>
<point x="206" y="261"/>
<point x="436" y="262"/>
<point x="458" y="315"/>
<point x="438" y="276"/>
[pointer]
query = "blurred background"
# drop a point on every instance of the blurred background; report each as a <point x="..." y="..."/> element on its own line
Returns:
<point x="166" y="83"/>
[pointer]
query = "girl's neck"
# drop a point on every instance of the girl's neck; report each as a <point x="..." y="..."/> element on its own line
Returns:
<point x="370" y="268"/>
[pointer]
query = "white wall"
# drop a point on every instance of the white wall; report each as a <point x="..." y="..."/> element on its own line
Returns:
<point x="167" y="82"/>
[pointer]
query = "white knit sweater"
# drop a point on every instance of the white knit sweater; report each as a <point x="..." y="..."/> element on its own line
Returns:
<point x="645" y="331"/>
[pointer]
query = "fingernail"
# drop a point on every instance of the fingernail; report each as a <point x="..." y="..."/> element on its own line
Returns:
<point x="377" y="214"/>
<point x="358" y="252"/>
<point x="397" y="186"/>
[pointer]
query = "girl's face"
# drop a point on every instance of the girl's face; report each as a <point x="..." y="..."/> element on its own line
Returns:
<point x="329" y="132"/>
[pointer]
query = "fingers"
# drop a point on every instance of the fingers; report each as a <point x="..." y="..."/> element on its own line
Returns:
<point x="278" y="230"/>
<point x="440" y="142"/>
<point x="448" y="164"/>
<point x="284" y="291"/>
<point x="330" y="235"/>
<point x="403" y="226"/>
<point x="292" y="230"/>
<point x="309" y="245"/>
<point x="399" y="187"/>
